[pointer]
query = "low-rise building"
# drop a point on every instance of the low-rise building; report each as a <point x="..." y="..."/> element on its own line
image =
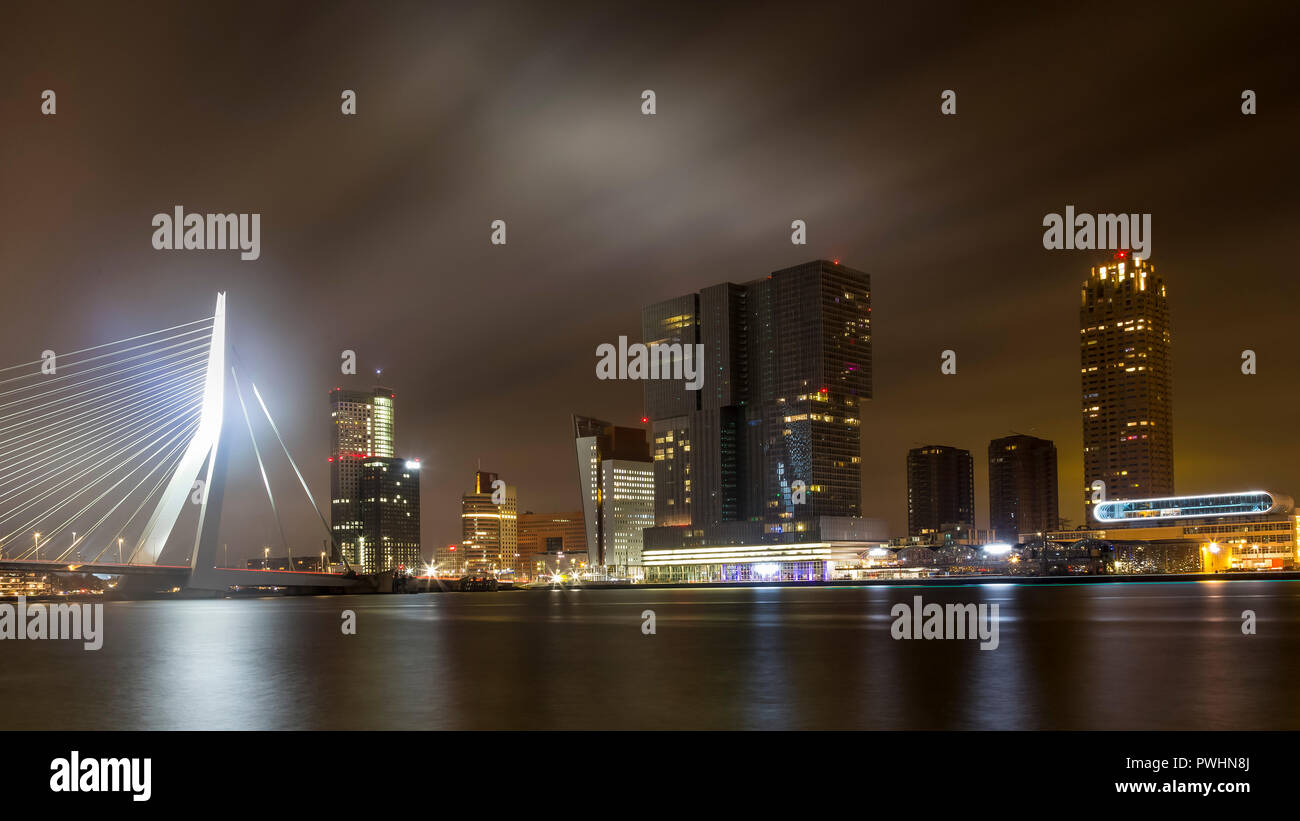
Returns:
<point x="1251" y="530"/>
<point x="845" y="541"/>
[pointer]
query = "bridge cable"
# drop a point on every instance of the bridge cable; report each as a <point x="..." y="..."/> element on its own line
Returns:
<point x="96" y="437"/>
<point x="265" y="481"/>
<point x="102" y="411"/>
<point x="97" y="391"/>
<point x="174" y="456"/>
<point x="257" y="395"/>
<point x="48" y="378"/>
<point x="112" y="487"/>
<point x="68" y="500"/>
<point x="119" y="452"/>
<point x="109" y="344"/>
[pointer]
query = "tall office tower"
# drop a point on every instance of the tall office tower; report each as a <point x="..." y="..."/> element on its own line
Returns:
<point x="1022" y="487"/>
<point x="671" y="408"/>
<point x="616" y="479"/>
<point x="362" y="427"/>
<point x="1124" y="343"/>
<point x="389" y="496"/>
<point x="940" y="489"/>
<point x="787" y="360"/>
<point x="489" y="531"/>
<point x="813" y="363"/>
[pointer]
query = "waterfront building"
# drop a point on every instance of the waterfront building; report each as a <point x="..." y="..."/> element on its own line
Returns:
<point x="19" y="583"/>
<point x="769" y="446"/>
<point x="1250" y="530"/>
<point x="489" y="530"/>
<point x="616" y="480"/>
<point x="361" y="427"/>
<point x="552" y="542"/>
<point x="389" y="493"/>
<point x="842" y="553"/>
<point x="1022" y="487"/>
<point x="940" y="489"/>
<point x="1127" y="382"/>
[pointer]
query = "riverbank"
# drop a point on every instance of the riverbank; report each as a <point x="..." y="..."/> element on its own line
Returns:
<point x="954" y="581"/>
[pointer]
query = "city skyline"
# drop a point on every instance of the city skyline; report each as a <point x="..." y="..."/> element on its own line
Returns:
<point x="491" y="365"/>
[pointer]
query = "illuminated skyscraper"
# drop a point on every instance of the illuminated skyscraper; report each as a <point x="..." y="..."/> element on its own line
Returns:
<point x="489" y="531"/>
<point x="389" y="502"/>
<point x="940" y="490"/>
<point x="1022" y="487"/>
<point x="616" y="479"/>
<point x="771" y="443"/>
<point x="362" y="427"/>
<point x="1124" y="342"/>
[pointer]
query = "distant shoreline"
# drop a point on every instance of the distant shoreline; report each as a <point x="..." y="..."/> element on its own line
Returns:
<point x="957" y="581"/>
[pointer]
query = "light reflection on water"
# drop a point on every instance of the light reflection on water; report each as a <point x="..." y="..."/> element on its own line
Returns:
<point x="1166" y="656"/>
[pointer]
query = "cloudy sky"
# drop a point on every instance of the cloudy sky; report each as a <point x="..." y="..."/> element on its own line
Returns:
<point x="375" y="228"/>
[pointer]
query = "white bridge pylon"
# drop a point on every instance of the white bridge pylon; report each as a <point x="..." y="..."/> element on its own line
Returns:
<point x="208" y="446"/>
<point x="103" y="449"/>
<point x="203" y="448"/>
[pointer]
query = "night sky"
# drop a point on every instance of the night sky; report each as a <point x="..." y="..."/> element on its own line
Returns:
<point x="375" y="228"/>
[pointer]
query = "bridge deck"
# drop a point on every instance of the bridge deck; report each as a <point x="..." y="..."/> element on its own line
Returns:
<point x="218" y="578"/>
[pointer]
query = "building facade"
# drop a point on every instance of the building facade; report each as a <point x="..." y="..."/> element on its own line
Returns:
<point x="616" y="480"/>
<point x="389" y="492"/>
<point x="489" y="529"/>
<point x="771" y="442"/>
<point x="768" y="450"/>
<point x="551" y="543"/>
<point x="1127" y="382"/>
<point x="940" y="490"/>
<point x="1250" y="530"/>
<point x="361" y="427"/>
<point x="1022" y="487"/>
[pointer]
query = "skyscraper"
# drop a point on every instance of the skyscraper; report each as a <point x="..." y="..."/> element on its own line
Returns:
<point x="389" y="502"/>
<point x="1022" y="487"/>
<point x="616" y="480"/>
<point x="362" y="427"/>
<point x="489" y="531"/>
<point x="771" y="443"/>
<point x="940" y="489"/>
<point x="1124" y="343"/>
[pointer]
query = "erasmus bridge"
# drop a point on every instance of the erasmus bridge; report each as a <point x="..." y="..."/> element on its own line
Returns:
<point x="113" y="460"/>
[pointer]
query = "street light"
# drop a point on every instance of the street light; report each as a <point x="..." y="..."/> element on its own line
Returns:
<point x="38" y="547"/>
<point x="266" y="557"/>
<point x="119" y="551"/>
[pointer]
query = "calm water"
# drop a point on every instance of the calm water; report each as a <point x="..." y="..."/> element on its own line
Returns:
<point x="1070" y="657"/>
